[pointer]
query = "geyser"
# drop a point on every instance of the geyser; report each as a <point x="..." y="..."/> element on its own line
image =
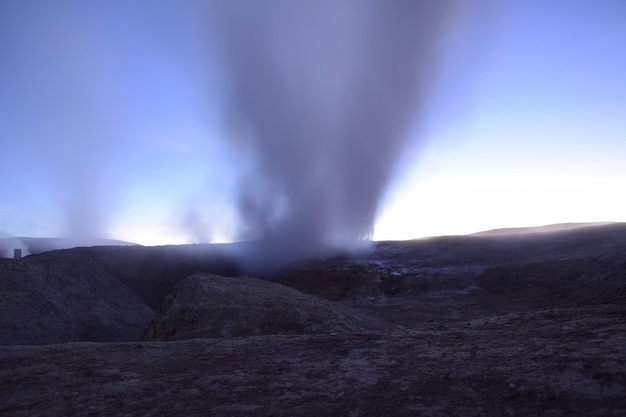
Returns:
<point x="319" y="97"/>
<point x="322" y="95"/>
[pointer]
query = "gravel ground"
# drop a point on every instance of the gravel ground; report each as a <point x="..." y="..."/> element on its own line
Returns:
<point x="557" y="362"/>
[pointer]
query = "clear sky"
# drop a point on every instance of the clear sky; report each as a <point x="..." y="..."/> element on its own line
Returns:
<point x="540" y="135"/>
<point x="527" y="125"/>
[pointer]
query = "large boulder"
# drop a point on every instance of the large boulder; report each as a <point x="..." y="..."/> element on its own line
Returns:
<point x="211" y="306"/>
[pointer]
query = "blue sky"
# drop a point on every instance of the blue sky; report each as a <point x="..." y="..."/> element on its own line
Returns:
<point x="106" y="128"/>
<point x="540" y="134"/>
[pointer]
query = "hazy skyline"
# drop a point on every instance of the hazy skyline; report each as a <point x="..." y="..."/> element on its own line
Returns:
<point x="112" y="123"/>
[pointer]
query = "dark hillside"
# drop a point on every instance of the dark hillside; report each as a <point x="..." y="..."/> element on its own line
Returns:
<point x="487" y="325"/>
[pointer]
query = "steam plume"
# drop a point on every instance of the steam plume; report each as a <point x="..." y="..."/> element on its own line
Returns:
<point x="323" y="94"/>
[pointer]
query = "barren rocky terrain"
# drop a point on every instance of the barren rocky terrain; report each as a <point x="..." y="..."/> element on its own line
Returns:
<point x="495" y="324"/>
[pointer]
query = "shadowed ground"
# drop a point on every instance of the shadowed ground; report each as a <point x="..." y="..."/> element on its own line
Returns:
<point x="568" y="362"/>
<point x="487" y="325"/>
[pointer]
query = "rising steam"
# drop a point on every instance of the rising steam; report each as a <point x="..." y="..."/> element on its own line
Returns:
<point x="319" y="97"/>
<point x="323" y="94"/>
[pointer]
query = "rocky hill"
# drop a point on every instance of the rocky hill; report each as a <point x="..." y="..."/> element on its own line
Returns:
<point x="206" y="305"/>
<point x="55" y="299"/>
<point x="492" y="324"/>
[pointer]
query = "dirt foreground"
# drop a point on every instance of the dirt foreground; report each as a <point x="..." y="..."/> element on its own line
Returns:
<point x="560" y="362"/>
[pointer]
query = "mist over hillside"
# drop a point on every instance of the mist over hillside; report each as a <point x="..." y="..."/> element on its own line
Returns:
<point x="34" y="245"/>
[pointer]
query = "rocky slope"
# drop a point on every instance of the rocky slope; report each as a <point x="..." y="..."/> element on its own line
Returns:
<point x="207" y="305"/>
<point x="95" y="294"/>
<point x="412" y="281"/>
<point x="487" y="325"/>
<point x="60" y="299"/>
<point x="562" y="362"/>
<point x="152" y="272"/>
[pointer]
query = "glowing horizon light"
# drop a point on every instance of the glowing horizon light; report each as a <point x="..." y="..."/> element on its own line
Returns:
<point x="435" y="206"/>
<point x="114" y="121"/>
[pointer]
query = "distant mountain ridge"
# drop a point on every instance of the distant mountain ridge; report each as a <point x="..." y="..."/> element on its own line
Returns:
<point x="34" y="245"/>
<point x="557" y="227"/>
